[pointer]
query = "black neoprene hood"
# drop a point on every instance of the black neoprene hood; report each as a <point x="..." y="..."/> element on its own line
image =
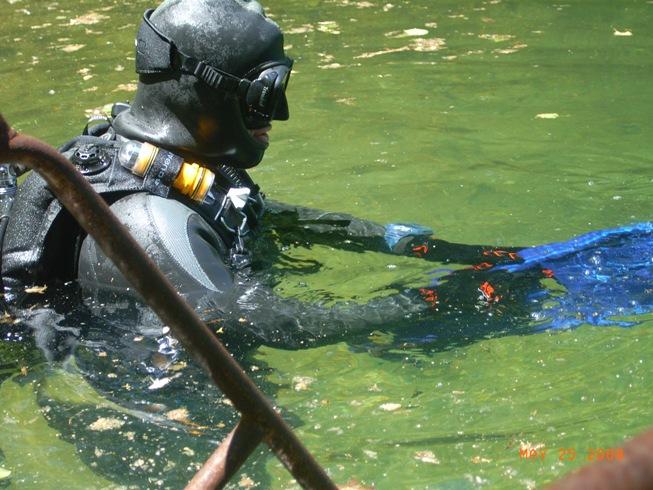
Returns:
<point x="177" y="109"/>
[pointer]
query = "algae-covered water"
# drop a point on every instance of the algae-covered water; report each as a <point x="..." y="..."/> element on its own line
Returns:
<point x="494" y="122"/>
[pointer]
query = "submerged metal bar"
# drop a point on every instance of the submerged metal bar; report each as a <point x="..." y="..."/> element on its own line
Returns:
<point x="93" y="214"/>
<point x="632" y="472"/>
<point x="229" y="457"/>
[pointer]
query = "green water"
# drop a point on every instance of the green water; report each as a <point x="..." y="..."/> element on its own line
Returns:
<point x="423" y="111"/>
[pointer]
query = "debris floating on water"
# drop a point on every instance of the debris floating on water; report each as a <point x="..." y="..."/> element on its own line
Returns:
<point x="480" y="459"/>
<point x="497" y="38"/>
<point x="179" y="415"/>
<point x="426" y="457"/>
<point x="106" y="423"/>
<point x="178" y="366"/>
<point x="303" y="29"/>
<point x="88" y="19"/>
<point x="7" y="318"/>
<point x="301" y="383"/>
<point x="383" y="51"/>
<point x="390" y="407"/>
<point x="246" y="482"/>
<point x="71" y="48"/>
<point x="328" y="26"/>
<point x="547" y="115"/>
<point x="354" y="485"/>
<point x="160" y="383"/>
<point x="428" y="45"/>
<point x="331" y="66"/>
<point x="618" y="33"/>
<point x="126" y="87"/>
<point x="414" y="32"/>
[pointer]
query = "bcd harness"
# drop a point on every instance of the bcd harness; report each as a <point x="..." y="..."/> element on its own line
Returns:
<point x="236" y="206"/>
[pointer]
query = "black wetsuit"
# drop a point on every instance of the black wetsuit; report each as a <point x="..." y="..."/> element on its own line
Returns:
<point x="219" y="258"/>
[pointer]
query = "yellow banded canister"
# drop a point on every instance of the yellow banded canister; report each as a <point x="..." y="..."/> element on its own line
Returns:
<point x="162" y="169"/>
<point x="194" y="181"/>
<point x="137" y="157"/>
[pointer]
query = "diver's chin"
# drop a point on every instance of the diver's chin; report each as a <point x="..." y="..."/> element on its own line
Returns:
<point x="261" y="135"/>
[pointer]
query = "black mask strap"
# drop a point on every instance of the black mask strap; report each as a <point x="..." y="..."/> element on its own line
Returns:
<point x="156" y="53"/>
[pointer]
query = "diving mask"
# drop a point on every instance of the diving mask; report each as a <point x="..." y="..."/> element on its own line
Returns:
<point x="262" y="98"/>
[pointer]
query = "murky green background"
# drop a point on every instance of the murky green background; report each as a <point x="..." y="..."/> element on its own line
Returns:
<point x="495" y="122"/>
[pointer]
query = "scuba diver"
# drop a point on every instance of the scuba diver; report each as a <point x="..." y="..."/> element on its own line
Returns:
<point x="173" y="167"/>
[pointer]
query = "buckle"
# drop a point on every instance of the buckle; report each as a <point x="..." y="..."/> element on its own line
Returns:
<point x="208" y="74"/>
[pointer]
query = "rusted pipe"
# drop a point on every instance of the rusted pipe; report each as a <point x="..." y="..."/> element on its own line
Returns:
<point x="229" y="457"/>
<point x="93" y="214"/>
<point x="633" y="471"/>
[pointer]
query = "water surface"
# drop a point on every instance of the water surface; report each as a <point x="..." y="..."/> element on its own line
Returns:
<point x="495" y="122"/>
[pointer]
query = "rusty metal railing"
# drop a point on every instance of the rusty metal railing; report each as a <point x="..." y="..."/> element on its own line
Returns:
<point x="259" y="420"/>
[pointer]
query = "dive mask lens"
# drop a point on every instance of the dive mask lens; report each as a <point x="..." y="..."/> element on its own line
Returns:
<point x="265" y="99"/>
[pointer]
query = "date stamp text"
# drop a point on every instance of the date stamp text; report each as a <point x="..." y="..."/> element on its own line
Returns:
<point x="568" y="454"/>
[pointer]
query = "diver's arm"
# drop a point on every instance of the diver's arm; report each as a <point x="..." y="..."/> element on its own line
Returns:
<point x="301" y="224"/>
<point x="255" y="314"/>
<point x="304" y="226"/>
<point x="465" y="304"/>
<point x="243" y="308"/>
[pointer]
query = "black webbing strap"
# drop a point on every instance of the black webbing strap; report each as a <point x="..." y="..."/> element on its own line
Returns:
<point x="156" y="53"/>
<point x="214" y="78"/>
